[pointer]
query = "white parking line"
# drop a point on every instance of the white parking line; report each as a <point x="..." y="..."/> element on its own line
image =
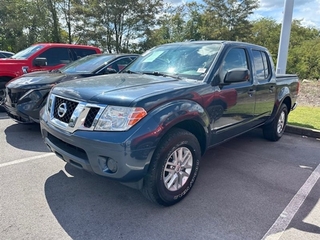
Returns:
<point x="281" y="224"/>
<point x="25" y="159"/>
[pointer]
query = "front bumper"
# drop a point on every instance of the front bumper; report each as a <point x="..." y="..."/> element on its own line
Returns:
<point x="92" y="151"/>
<point x="25" y="109"/>
<point x="18" y="116"/>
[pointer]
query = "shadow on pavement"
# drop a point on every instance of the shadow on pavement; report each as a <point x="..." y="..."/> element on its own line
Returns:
<point x="239" y="187"/>
<point x="25" y="137"/>
<point x="92" y="207"/>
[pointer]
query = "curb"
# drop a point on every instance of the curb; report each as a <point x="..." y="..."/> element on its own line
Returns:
<point x="303" y="131"/>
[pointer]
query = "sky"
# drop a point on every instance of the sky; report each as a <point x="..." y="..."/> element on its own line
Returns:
<point x="308" y="11"/>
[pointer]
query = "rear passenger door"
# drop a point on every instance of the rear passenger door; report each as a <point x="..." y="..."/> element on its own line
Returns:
<point x="266" y="85"/>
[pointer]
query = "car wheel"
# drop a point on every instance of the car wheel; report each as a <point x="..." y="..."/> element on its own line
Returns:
<point x="2" y="95"/>
<point x="274" y="130"/>
<point x="173" y="169"/>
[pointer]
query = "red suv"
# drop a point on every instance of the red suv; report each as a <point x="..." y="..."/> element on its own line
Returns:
<point x="40" y="57"/>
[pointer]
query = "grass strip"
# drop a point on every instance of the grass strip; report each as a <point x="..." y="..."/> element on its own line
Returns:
<point x="308" y="117"/>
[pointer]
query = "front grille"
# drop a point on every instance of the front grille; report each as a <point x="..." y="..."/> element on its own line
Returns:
<point x="72" y="115"/>
<point x="70" y="107"/>
<point x="91" y="116"/>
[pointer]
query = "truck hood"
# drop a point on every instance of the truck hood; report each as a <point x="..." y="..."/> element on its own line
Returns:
<point x="38" y="79"/>
<point x="124" y="89"/>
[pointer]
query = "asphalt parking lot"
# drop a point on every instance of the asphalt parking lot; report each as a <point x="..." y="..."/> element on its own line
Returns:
<point x="247" y="188"/>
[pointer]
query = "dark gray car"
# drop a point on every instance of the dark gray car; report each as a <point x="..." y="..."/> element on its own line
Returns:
<point x="26" y="95"/>
<point x="6" y="54"/>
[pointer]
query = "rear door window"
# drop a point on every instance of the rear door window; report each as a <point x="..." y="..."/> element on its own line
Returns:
<point x="80" y="53"/>
<point x="261" y="65"/>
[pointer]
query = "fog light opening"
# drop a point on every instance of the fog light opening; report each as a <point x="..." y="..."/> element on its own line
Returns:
<point x="112" y="165"/>
<point x="108" y="164"/>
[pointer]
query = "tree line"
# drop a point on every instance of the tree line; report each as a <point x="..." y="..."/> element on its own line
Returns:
<point x="138" y="25"/>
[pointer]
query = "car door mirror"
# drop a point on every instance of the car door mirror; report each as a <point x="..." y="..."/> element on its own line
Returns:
<point x="237" y="75"/>
<point x="40" y="62"/>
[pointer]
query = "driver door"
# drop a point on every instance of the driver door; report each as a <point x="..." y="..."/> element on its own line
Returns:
<point x="237" y="100"/>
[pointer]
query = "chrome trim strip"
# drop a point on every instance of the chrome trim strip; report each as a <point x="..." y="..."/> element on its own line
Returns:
<point x="78" y="116"/>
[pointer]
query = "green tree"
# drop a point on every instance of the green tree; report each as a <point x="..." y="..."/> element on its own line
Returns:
<point x="64" y="9"/>
<point x="227" y="19"/>
<point x="300" y="33"/>
<point x="304" y="50"/>
<point x="12" y="28"/>
<point x="305" y="59"/>
<point x="266" y="32"/>
<point x="176" y="24"/>
<point x="115" y="24"/>
<point x="194" y="21"/>
<point x="25" y="22"/>
<point x="52" y="6"/>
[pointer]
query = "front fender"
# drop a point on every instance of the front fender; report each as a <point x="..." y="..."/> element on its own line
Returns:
<point x="10" y="74"/>
<point x="160" y="120"/>
<point x="176" y="112"/>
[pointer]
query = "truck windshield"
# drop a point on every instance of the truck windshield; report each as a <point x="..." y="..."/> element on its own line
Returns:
<point x="26" y="53"/>
<point x="88" y="64"/>
<point x="189" y="60"/>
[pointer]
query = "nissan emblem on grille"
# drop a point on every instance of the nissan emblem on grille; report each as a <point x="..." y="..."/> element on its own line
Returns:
<point x="62" y="109"/>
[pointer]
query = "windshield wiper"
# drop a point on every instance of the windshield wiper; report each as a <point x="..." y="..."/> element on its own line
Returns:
<point x="55" y="71"/>
<point x="129" y="71"/>
<point x="155" y="73"/>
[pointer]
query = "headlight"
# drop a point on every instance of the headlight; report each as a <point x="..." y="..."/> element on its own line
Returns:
<point x="33" y="89"/>
<point x="115" y="118"/>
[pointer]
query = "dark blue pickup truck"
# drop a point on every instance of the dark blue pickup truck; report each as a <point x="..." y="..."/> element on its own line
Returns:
<point x="149" y="125"/>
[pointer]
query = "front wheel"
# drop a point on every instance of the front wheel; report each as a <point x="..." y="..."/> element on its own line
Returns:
<point x="3" y="82"/>
<point x="274" y="130"/>
<point x="173" y="169"/>
<point x="2" y="95"/>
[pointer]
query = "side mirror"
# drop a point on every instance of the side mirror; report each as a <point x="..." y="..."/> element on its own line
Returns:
<point x="237" y="75"/>
<point x="40" y="62"/>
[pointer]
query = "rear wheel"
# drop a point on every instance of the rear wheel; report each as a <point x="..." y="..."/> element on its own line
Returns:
<point x="173" y="169"/>
<point x="274" y="130"/>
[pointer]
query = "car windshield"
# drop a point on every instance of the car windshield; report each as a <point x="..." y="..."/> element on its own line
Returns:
<point x="24" y="54"/>
<point x="88" y="64"/>
<point x="188" y="60"/>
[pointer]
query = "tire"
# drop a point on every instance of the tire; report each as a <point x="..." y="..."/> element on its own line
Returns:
<point x="274" y="130"/>
<point x="2" y="95"/>
<point x="3" y="82"/>
<point x="169" y="180"/>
